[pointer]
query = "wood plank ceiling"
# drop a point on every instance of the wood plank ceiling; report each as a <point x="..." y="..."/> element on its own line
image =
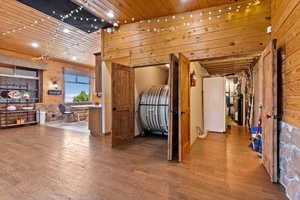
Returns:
<point x="228" y="65"/>
<point x="16" y="34"/>
<point x="78" y="46"/>
<point x="126" y="11"/>
<point x="225" y="39"/>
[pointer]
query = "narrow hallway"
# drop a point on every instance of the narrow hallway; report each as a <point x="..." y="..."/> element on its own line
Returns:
<point x="226" y="158"/>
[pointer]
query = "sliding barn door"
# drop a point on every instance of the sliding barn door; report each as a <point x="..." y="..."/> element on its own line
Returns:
<point x="122" y="104"/>
<point x="184" y="106"/>
<point x="179" y="117"/>
<point x="270" y="114"/>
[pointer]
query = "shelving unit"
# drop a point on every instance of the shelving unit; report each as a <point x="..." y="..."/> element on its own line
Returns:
<point x="20" y="116"/>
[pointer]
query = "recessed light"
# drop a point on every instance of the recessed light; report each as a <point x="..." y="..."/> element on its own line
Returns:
<point x="110" y="14"/>
<point x="74" y="58"/>
<point x="35" y="45"/>
<point x="66" y="30"/>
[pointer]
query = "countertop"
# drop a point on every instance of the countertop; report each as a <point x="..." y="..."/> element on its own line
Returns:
<point x="86" y="106"/>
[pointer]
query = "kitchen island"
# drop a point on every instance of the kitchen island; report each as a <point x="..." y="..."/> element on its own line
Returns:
<point x="95" y="120"/>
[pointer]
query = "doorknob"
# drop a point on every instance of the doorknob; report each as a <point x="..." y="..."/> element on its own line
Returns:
<point x="271" y="116"/>
<point x="114" y="109"/>
<point x="174" y="111"/>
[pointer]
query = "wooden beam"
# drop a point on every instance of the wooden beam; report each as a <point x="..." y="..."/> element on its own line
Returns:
<point x="10" y="60"/>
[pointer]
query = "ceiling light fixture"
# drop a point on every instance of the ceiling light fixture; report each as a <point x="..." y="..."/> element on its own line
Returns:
<point x="35" y="45"/>
<point x="66" y="30"/>
<point x="110" y="14"/>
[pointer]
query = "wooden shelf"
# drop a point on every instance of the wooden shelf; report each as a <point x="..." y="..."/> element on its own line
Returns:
<point x="23" y="89"/>
<point x="9" y="118"/>
<point x="12" y="125"/>
<point x="15" y="111"/>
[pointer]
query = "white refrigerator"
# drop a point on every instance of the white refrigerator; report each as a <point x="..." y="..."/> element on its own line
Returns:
<point x="214" y="104"/>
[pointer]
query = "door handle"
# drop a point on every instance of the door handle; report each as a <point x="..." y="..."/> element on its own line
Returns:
<point x="271" y="116"/>
<point x="114" y="109"/>
<point x="174" y="111"/>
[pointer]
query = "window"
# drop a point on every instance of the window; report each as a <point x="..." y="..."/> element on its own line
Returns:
<point x="26" y="72"/>
<point x="19" y="72"/>
<point x="77" y="86"/>
<point x="7" y="70"/>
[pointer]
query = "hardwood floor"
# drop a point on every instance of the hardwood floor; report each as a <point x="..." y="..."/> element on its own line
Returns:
<point x="45" y="163"/>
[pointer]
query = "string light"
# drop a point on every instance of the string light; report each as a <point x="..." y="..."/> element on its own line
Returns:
<point x="191" y="15"/>
<point x="158" y="20"/>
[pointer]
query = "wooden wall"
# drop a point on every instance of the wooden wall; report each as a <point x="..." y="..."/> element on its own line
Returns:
<point x="286" y="28"/>
<point x="205" y="33"/>
<point x="54" y="73"/>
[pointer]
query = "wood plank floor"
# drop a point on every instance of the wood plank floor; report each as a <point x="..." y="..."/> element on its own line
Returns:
<point x="45" y="163"/>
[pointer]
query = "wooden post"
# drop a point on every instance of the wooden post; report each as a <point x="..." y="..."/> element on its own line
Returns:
<point x="98" y="74"/>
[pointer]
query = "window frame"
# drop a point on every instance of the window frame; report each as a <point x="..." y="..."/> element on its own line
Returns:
<point x="16" y="75"/>
<point x="77" y="73"/>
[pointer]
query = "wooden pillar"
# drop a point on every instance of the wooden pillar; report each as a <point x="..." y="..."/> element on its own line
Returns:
<point x="98" y="74"/>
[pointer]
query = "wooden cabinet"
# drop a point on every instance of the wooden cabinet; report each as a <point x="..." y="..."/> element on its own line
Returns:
<point x="17" y="117"/>
<point x="95" y="120"/>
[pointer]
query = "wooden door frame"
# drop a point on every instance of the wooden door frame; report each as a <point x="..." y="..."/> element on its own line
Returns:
<point x="275" y="115"/>
<point x="175" y="151"/>
<point x="171" y="156"/>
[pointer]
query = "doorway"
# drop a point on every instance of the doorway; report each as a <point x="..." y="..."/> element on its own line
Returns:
<point x="251" y="96"/>
<point x="123" y="84"/>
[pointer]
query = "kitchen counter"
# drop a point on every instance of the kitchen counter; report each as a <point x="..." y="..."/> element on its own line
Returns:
<point x="86" y="106"/>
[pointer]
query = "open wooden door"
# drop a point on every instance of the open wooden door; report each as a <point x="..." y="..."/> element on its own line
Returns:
<point x="184" y="106"/>
<point x="122" y="104"/>
<point x="179" y="116"/>
<point x="173" y="135"/>
<point x="270" y="111"/>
